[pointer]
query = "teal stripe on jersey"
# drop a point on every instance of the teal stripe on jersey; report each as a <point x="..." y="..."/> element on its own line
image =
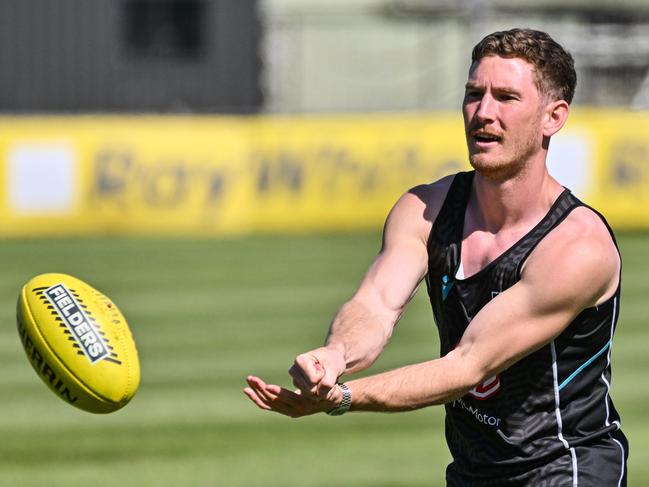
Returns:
<point x="584" y="365"/>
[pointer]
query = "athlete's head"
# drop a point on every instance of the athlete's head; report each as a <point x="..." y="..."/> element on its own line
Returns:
<point x="554" y="68"/>
<point x="517" y="95"/>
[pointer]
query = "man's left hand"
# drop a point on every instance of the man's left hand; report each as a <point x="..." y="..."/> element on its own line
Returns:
<point x="289" y="403"/>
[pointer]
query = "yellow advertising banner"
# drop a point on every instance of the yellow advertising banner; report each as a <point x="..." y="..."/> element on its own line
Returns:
<point x="346" y="172"/>
<point x="177" y="175"/>
<point x="136" y="175"/>
<point x="619" y="149"/>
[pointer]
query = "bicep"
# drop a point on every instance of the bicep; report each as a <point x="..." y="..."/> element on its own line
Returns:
<point x="402" y="263"/>
<point x="508" y="328"/>
<point x="539" y="307"/>
<point x="393" y="278"/>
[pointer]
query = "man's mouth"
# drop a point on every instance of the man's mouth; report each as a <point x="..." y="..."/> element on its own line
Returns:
<point x="484" y="140"/>
<point x="486" y="137"/>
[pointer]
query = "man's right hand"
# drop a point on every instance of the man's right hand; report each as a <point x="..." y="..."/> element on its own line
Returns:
<point x="316" y="372"/>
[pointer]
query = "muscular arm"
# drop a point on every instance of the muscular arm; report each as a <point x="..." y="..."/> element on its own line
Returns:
<point x="517" y="322"/>
<point x="584" y="272"/>
<point x="364" y="324"/>
<point x="522" y="319"/>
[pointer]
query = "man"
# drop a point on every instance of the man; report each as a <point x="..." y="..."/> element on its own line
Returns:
<point x="524" y="281"/>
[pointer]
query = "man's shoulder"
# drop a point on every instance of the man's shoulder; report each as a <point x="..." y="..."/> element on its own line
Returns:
<point x="582" y="247"/>
<point x="430" y="196"/>
<point x="416" y="210"/>
<point x="583" y="225"/>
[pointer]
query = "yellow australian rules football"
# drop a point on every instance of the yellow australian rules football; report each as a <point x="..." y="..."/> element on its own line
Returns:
<point x="78" y="342"/>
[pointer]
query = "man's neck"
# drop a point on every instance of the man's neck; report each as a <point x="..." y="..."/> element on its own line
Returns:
<point x="522" y="200"/>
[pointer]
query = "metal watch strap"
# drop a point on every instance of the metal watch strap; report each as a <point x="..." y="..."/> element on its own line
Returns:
<point x="346" y="403"/>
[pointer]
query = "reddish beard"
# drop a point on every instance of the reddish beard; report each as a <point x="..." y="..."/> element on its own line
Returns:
<point x="506" y="166"/>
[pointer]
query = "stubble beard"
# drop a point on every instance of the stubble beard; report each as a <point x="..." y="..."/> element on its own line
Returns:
<point x="504" y="168"/>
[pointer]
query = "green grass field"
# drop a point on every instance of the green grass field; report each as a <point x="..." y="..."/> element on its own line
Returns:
<point x="207" y="313"/>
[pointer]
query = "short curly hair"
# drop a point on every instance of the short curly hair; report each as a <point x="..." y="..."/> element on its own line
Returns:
<point x="554" y="67"/>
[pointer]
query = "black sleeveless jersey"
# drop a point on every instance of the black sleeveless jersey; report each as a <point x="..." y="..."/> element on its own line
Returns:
<point x="548" y="403"/>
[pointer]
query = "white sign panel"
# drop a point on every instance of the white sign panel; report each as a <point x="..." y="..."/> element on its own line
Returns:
<point x="41" y="178"/>
<point x="570" y="162"/>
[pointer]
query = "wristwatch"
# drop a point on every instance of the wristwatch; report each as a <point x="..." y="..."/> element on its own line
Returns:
<point x="346" y="403"/>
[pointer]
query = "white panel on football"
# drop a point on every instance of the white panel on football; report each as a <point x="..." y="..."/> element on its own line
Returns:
<point x="41" y="178"/>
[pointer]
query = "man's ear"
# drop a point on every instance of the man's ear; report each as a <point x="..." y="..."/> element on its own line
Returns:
<point x="556" y="114"/>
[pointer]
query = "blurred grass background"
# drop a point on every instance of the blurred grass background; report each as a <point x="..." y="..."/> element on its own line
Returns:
<point x="205" y="314"/>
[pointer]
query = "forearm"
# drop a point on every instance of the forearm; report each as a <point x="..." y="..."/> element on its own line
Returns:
<point x="412" y="387"/>
<point x="359" y="334"/>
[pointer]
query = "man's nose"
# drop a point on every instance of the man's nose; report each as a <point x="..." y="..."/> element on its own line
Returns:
<point x="486" y="108"/>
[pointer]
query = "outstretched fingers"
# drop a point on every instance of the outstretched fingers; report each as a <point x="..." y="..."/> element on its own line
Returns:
<point x="271" y="397"/>
<point x="257" y="393"/>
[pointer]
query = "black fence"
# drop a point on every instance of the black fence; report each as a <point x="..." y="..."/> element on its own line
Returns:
<point x="129" y="55"/>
